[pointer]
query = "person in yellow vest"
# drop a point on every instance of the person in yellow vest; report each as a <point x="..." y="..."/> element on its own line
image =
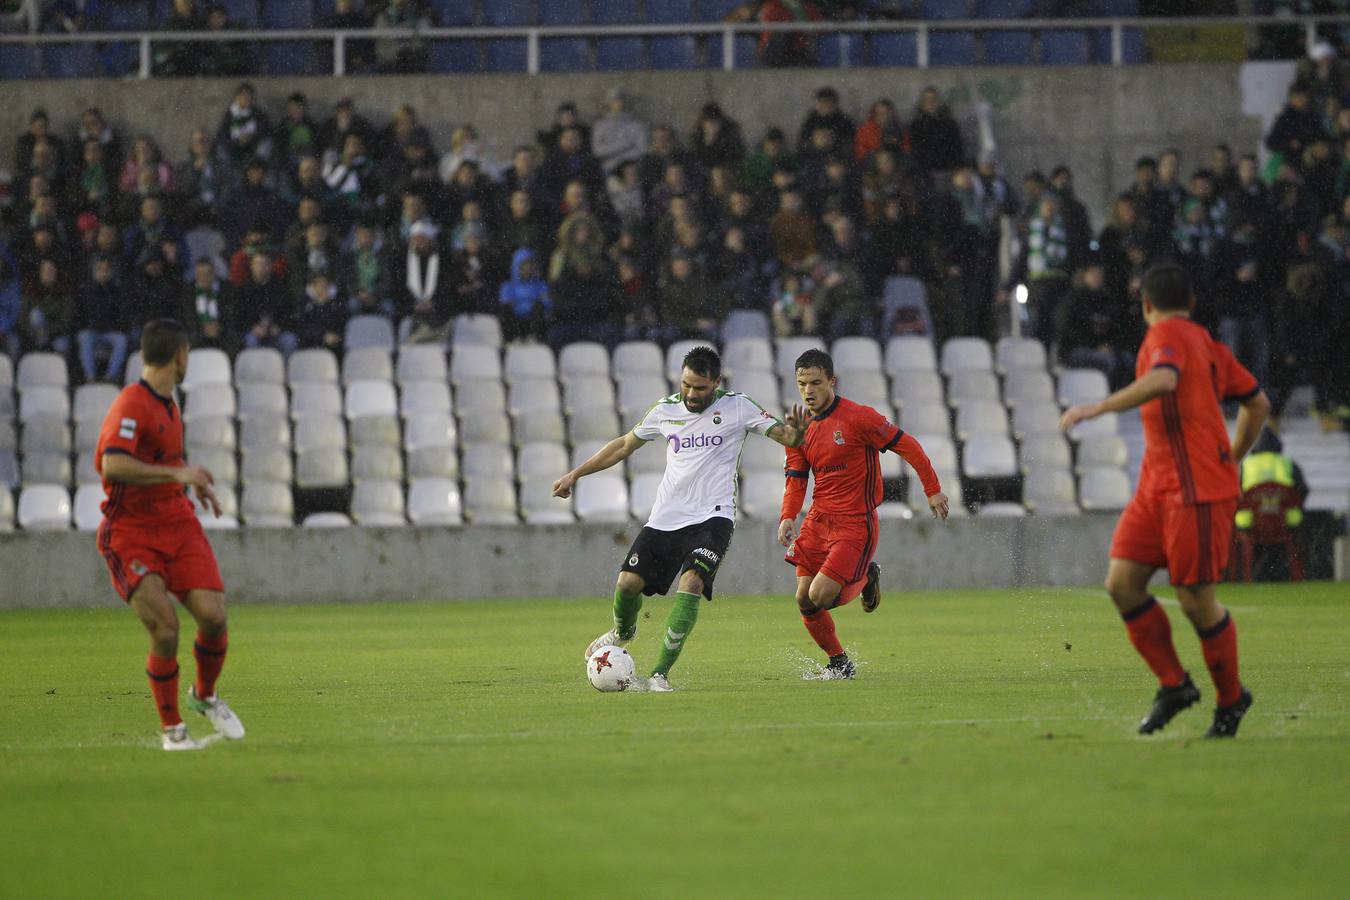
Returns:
<point x="1267" y="464"/>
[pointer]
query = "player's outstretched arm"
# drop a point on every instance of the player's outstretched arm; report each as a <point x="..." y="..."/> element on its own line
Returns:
<point x="1155" y="383"/>
<point x="613" y="453"/>
<point x="124" y="468"/>
<point x="792" y="430"/>
<point x="1252" y="415"/>
<point x="912" y="452"/>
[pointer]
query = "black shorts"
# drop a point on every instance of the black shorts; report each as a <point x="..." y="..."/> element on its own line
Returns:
<point x="658" y="557"/>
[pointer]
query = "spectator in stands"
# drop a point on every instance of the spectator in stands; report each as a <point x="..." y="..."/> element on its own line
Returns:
<point x="625" y="195"/>
<point x="44" y="161"/>
<point x="882" y="131"/>
<point x="1076" y="223"/>
<point x="524" y="298"/>
<point x="150" y="230"/>
<point x="843" y="305"/>
<point x="580" y="242"/>
<point x="566" y="117"/>
<point x="403" y="55"/>
<point x="345" y="121"/>
<point x="360" y="54"/>
<point x="899" y="238"/>
<point x="296" y="135"/>
<point x="787" y="48"/>
<point x="757" y="171"/>
<point x="92" y="188"/>
<point x="1123" y="227"/>
<point x="663" y="150"/>
<point x="1222" y="169"/>
<point x="793" y="311"/>
<point x="570" y="161"/>
<point x="1094" y="331"/>
<point x="426" y="284"/>
<point x="1297" y="127"/>
<point x="11" y="301"/>
<point x="691" y="306"/>
<point x="94" y="127"/>
<point x="350" y="176"/>
<point x="827" y="114"/>
<point x="1194" y="237"/>
<point x="716" y="140"/>
<point x="470" y="186"/>
<point x="736" y="272"/>
<point x="364" y="273"/>
<point x="244" y="133"/>
<point x="1169" y="183"/>
<point x="618" y="136"/>
<point x="47" y="318"/>
<point x="523" y="174"/>
<point x="210" y="302"/>
<point x="222" y="58"/>
<point x="156" y="291"/>
<point x="103" y="321"/>
<point x="1216" y="207"/>
<point x="882" y="181"/>
<point x="588" y="302"/>
<point x="39" y="129"/>
<point x="253" y="202"/>
<point x="323" y="314"/>
<point x="464" y="147"/>
<point x="474" y="271"/>
<point x="935" y="138"/>
<point x="522" y="227"/>
<point x="315" y="254"/>
<point x="263" y="307"/>
<point x="1248" y="195"/>
<point x="1322" y="76"/>
<point x="793" y="231"/>
<point x="199" y="178"/>
<point x="179" y="59"/>
<point x="1045" y="264"/>
<point x="820" y="147"/>
<point x="1152" y="207"/>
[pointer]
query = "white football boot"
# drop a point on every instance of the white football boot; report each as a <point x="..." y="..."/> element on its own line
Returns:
<point x="658" y="684"/>
<point x="219" y="714"/>
<point x="608" y="639"/>
<point x="176" y="737"/>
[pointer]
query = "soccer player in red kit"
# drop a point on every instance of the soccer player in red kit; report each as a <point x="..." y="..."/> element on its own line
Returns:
<point x="151" y="539"/>
<point x="1181" y="515"/>
<point x="833" y="553"/>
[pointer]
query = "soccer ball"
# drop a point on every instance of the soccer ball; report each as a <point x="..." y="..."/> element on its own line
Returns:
<point x="611" y="669"/>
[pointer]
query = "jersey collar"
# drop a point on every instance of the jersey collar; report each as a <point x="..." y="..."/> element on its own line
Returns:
<point x="167" y="401"/>
<point x="826" y="413"/>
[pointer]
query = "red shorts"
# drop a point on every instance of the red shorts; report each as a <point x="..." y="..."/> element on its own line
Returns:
<point x="1190" y="539"/>
<point x="178" y="552"/>
<point x="837" y="546"/>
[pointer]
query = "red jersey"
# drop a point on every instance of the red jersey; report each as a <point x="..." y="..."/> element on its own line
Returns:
<point x="843" y="447"/>
<point x="1187" y="454"/>
<point x="149" y="428"/>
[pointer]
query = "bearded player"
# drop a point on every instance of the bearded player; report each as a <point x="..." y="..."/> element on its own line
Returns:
<point x="150" y="537"/>
<point x="833" y="553"/>
<point x="689" y="529"/>
<point x="1181" y="515"/>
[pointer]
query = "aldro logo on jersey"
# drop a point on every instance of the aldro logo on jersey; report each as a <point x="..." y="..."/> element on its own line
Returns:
<point x="693" y="442"/>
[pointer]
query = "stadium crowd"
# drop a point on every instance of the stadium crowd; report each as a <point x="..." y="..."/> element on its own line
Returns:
<point x="273" y="231"/>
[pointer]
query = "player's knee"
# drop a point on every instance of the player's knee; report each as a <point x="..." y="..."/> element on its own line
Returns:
<point x="1120" y="588"/>
<point x="691" y="583"/>
<point x="629" y="584"/>
<point x="804" y="604"/>
<point x="823" y="595"/>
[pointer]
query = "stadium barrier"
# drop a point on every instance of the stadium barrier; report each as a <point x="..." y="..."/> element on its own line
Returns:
<point x="352" y="565"/>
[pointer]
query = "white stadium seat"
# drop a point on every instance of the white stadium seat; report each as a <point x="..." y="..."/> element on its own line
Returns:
<point x="530" y="395"/>
<point x="44" y="507"/>
<point x="257" y="398"/>
<point x="212" y="431"/>
<point x="637" y="359"/>
<point x="1044" y="450"/>
<point x="584" y="359"/>
<point x="675" y="355"/>
<point x="909" y="353"/>
<point x="981" y="418"/>
<point x="88" y="507"/>
<point x="378" y="462"/>
<point x="602" y="497"/>
<point x="642" y="495"/>
<point x="433" y="462"/>
<point x="421" y="362"/>
<point x="370" y="398"/>
<point x="429" y="431"/>
<point x="134" y="368"/>
<point x="989" y="456"/>
<point x="592" y="424"/>
<point x="753" y="354"/>
<point x="207" y="365"/>
<point x="761" y="495"/>
<point x="44" y="401"/>
<point x="321" y="467"/>
<point x="422" y="398"/>
<point x="267" y="504"/>
<point x="916" y="386"/>
<point x="490" y="501"/>
<point x="259" y="365"/>
<point x="1082" y="386"/>
<point x="1101" y="451"/>
<point x="92" y="402"/>
<point x="6" y="504"/>
<point x="265" y="432"/>
<point x="210" y="399"/>
<point x="42" y="370"/>
<point x="1049" y="491"/>
<point x="526" y="361"/>
<point x="435" y="501"/>
<point x="46" y="433"/>
<point x="378" y="504"/>
<point x="316" y="364"/>
<point x="925" y="419"/>
<point x="541" y="460"/>
<point x="1104" y="489"/>
<point x="540" y="507"/>
<point x="46" y="468"/>
<point x="369" y="331"/>
<point x="327" y="520"/>
<point x="476" y="328"/>
<point x="961" y="353"/>
<point x="492" y="461"/>
<point x="473" y="361"/>
<point x="315" y="432"/>
<point x="788" y="349"/>
<point x="315" y="398"/>
<point x="971" y="386"/>
<point x="1019" y="354"/>
<point x="1028" y="386"/>
<point x="1030" y="419"/>
<point x="267" y="464"/>
<point x="484" y="427"/>
<point x="856" y="354"/>
<point x="367" y="364"/>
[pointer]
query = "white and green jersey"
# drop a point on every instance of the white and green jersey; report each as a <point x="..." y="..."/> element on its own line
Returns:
<point x="702" y="452"/>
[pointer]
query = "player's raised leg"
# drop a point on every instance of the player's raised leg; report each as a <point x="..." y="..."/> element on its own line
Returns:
<point x="1150" y="632"/>
<point x="679" y="625"/>
<point x="627" y="604"/>
<point x="815" y="597"/>
<point x="154" y="607"/>
<point x="1218" y="640"/>
<point x="209" y="648"/>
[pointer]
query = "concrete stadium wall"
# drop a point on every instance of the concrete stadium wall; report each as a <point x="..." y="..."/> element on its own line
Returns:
<point x="361" y="565"/>
<point x="1097" y="119"/>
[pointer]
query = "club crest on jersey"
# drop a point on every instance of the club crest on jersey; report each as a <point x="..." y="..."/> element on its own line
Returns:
<point x="127" y="430"/>
<point x="839" y="438"/>
<point x="138" y="567"/>
<point x="633" y="560"/>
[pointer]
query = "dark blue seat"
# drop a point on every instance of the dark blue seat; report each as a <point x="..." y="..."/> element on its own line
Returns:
<point x="119" y="58"/>
<point x="68" y="60"/>
<point x="745" y="51"/>
<point x="453" y="56"/>
<point x="951" y="48"/>
<point x="562" y="12"/>
<point x="1065" y="48"/>
<point x="564" y="55"/>
<point x="673" y="53"/>
<point x="615" y="12"/>
<point x="454" y="14"/>
<point x="241" y="13"/>
<point x="1121" y="8"/>
<point x="1007" y="48"/>
<point x="620" y="54"/>
<point x="1004" y="9"/>
<point x="17" y="61"/>
<point x="507" y="12"/>
<point x="505" y="55"/>
<point x="1132" y="45"/>
<point x="291" y="58"/>
<point x="121" y="15"/>
<point x="715" y="10"/>
<point x="945" y="9"/>
<point x="828" y="52"/>
<point x="664" y="12"/>
<point x="287" y="14"/>
<point x="896" y="48"/>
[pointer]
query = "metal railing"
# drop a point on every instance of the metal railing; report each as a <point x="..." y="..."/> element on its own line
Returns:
<point x="727" y="32"/>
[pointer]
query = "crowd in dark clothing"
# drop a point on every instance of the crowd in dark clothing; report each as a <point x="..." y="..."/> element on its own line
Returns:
<point x="274" y="231"/>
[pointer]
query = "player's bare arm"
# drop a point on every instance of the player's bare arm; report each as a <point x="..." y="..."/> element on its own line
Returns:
<point x="792" y="430"/>
<point x="613" y="453"/>
<point x="1252" y="415"/>
<point x="1154" y="384"/>
<point x="126" y="469"/>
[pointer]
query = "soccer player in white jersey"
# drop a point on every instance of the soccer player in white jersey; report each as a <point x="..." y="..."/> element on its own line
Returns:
<point x="690" y="527"/>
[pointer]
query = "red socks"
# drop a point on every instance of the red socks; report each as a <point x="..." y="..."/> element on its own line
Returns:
<point x="1151" y="634"/>
<point x="821" y="626"/>
<point x="210" y="655"/>
<point x="163" y="673"/>
<point x="1221" y="658"/>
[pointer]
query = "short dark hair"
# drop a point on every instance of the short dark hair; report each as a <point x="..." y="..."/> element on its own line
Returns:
<point x="161" y="341"/>
<point x="815" y="358"/>
<point x="703" y="361"/>
<point x="1168" y="288"/>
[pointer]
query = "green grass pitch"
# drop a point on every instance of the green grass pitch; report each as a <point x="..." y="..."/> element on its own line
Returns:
<point x="456" y="750"/>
